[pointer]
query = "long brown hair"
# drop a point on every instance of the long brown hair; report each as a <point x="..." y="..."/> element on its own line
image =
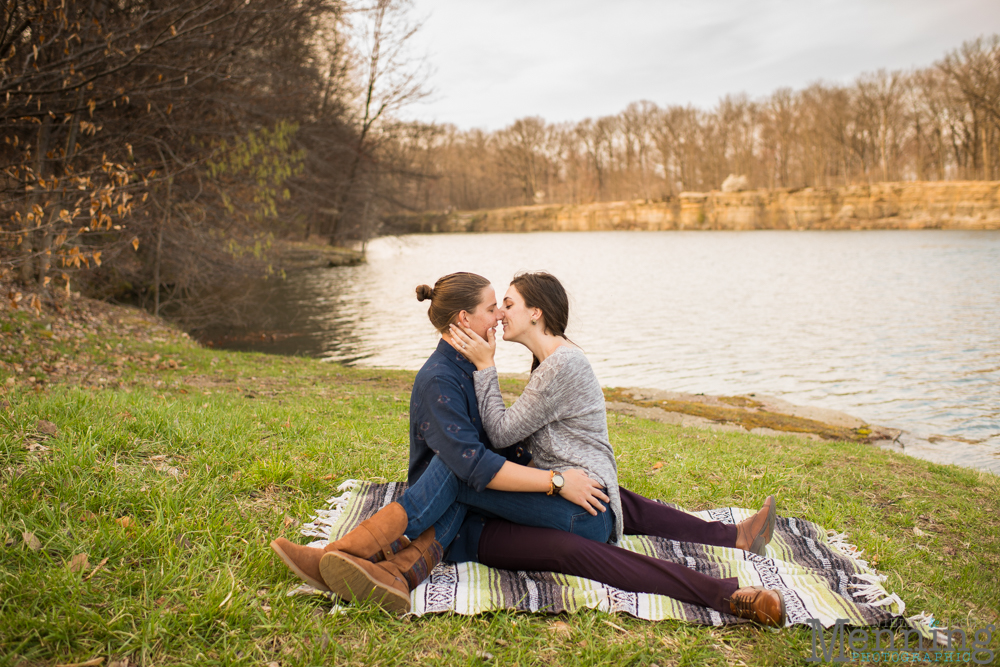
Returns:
<point x="451" y="295"/>
<point x="544" y="291"/>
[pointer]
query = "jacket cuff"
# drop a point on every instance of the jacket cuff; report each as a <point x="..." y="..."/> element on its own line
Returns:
<point x="486" y="470"/>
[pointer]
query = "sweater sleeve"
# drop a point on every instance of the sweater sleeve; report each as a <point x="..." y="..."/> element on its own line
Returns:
<point x="530" y="412"/>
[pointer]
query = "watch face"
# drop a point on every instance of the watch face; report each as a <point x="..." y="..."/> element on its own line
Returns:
<point x="558" y="481"/>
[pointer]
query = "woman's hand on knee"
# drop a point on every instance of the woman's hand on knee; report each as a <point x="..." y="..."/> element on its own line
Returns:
<point x="581" y="490"/>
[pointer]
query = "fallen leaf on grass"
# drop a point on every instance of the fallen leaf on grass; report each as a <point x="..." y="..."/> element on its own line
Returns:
<point x="94" y="571"/>
<point x="289" y="521"/>
<point x="918" y="532"/>
<point x="78" y="563"/>
<point x="158" y="457"/>
<point x="616" y="627"/>
<point x="89" y="663"/>
<point x="170" y="470"/>
<point x="31" y="541"/>
<point x="88" y="516"/>
<point x="657" y="465"/>
<point x="125" y="521"/>
<point x="35" y="447"/>
<point x="484" y="655"/>
<point x="46" y="427"/>
<point x="561" y="627"/>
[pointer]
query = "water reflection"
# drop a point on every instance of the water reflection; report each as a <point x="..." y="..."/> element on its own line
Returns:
<point x="899" y="328"/>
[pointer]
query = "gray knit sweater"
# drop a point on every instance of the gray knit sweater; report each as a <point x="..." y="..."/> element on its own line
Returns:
<point x="561" y="416"/>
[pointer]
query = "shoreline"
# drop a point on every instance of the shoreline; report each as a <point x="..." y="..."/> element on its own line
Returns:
<point x="962" y="205"/>
<point x="771" y="416"/>
<point x="756" y="414"/>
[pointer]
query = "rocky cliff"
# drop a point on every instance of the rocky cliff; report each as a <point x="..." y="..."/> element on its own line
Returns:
<point x="912" y="205"/>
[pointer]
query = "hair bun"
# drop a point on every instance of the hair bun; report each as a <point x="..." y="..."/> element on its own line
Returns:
<point x="424" y="292"/>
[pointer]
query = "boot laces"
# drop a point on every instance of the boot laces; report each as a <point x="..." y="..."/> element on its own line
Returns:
<point x="743" y="603"/>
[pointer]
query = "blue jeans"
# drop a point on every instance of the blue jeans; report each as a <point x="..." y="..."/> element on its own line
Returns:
<point x="442" y="500"/>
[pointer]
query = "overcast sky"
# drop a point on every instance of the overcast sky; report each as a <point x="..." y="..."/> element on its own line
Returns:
<point x="494" y="61"/>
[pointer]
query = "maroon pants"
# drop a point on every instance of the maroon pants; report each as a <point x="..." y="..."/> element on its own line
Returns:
<point x="511" y="546"/>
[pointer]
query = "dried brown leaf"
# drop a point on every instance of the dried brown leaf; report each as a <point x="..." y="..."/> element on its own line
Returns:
<point x="125" y="521"/>
<point x="657" y="465"/>
<point x="89" y="663"/>
<point x="31" y="541"/>
<point x="46" y="427"/>
<point x="561" y="627"/>
<point x="94" y="571"/>
<point x="290" y="521"/>
<point x="78" y="563"/>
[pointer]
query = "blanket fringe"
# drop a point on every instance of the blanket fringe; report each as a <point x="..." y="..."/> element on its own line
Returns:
<point x="324" y="520"/>
<point x="871" y="590"/>
<point x="838" y="542"/>
<point x="874" y="593"/>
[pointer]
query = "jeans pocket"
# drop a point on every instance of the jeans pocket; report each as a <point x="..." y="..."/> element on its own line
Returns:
<point x="592" y="527"/>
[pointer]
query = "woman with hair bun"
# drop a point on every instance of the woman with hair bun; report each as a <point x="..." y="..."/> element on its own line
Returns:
<point x="476" y="494"/>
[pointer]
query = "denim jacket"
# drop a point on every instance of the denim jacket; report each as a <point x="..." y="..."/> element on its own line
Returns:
<point x="444" y="420"/>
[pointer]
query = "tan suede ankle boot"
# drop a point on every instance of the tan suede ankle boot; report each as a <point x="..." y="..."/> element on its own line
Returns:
<point x="387" y="583"/>
<point x="375" y="539"/>
<point x="755" y="533"/>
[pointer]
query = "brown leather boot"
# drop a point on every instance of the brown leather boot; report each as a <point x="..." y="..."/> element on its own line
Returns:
<point x="387" y="583"/>
<point x="754" y="533"/>
<point x="759" y="604"/>
<point x="375" y="538"/>
<point x="380" y="535"/>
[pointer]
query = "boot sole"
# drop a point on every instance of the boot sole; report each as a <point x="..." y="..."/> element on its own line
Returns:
<point x="353" y="583"/>
<point x="761" y="541"/>
<point x="295" y="568"/>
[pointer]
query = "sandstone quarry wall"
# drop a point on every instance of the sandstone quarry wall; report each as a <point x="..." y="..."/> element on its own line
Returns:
<point x="911" y="205"/>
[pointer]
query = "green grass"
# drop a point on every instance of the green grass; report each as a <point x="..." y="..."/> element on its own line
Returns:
<point x="179" y="477"/>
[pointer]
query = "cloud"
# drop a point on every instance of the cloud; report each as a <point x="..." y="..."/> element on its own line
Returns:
<point x="571" y="59"/>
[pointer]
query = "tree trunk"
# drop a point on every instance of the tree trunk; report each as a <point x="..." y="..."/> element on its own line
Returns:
<point x="159" y="249"/>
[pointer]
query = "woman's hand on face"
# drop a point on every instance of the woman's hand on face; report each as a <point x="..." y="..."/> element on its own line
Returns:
<point x="480" y="352"/>
<point x="583" y="491"/>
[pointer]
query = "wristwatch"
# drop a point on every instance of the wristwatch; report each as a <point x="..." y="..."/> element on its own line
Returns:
<point x="556" y="483"/>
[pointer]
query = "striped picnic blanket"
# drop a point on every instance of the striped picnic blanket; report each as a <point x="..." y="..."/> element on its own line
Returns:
<point x="821" y="576"/>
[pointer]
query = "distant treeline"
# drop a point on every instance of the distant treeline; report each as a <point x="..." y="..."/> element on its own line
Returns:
<point x="938" y="123"/>
<point x="153" y="150"/>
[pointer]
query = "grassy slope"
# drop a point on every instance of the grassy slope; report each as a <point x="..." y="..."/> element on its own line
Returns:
<point x="180" y="476"/>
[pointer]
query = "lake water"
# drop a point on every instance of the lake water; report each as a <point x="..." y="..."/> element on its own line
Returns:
<point x="900" y="328"/>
